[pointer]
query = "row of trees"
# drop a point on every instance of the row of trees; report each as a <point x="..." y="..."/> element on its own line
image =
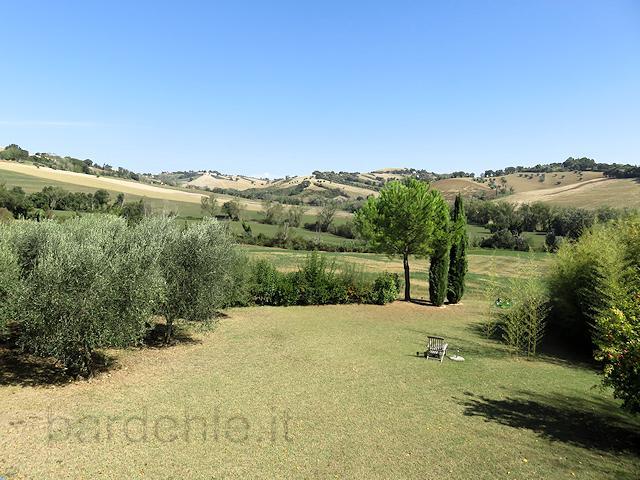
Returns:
<point x="94" y="281"/>
<point x="409" y="218"/>
<point x="539" y="217"/>
<point x="21" y="204"/>
<point x="573" y="164"/>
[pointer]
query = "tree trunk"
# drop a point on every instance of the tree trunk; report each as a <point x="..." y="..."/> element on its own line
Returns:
<point x="169" y="331"/>
<point x="407" y="278"/>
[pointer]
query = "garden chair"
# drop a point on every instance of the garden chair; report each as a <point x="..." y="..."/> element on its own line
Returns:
<point x="435" y="347"/>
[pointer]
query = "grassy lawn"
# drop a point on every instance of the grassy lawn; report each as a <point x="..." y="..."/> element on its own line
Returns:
<point x="317" y="392"/>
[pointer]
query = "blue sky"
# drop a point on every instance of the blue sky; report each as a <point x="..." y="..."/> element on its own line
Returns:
<point x="287" y="87"/>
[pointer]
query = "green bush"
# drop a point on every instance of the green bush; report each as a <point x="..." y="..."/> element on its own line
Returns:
<point x="596" y="298"/>
<point x="386" y="288"/>
<point x="267" y="286"/>
<point x="318" y="283"/>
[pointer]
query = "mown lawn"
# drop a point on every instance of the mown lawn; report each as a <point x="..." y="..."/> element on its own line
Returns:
<point x="323" y="392"/>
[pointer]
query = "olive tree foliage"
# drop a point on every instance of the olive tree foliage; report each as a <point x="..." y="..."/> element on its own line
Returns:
<point x="10" y="283"/>
<point x="200" y="267"/>
<point x="439" y="260"/>
<point x="400" y="221"/>
<point x="90" y="283"/>
<point x="458" y="253"/>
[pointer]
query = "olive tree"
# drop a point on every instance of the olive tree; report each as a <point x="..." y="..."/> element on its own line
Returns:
<point x="199" y="266"/>
<point x="10" y="284"/>
<point x="400" y="221"/>
<point x="93" y="283"/>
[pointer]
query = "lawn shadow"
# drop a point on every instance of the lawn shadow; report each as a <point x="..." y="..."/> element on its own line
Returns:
<point x="550" y="351"/>
<point x="589" y="424"/>
<point x="420" y="301"/>
<point x="18" y="368"/>
<point x="156" y="336"/>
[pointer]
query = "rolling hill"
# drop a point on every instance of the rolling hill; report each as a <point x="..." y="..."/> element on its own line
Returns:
<point x="182" y="191"/>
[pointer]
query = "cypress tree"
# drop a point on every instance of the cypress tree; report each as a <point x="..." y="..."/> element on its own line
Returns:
<point x="439" y="266"/>
<point x="458" y="253"/>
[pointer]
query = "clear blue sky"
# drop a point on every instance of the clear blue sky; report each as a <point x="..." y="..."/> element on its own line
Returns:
<point x="290" y="87"/>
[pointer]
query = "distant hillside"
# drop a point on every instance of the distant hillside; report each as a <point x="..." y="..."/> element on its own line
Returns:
<point x="579" y="182"/>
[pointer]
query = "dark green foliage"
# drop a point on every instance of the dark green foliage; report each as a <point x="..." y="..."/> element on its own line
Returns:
<point x="232" y="210"/>
<point x="15" y="201"/>
<point x="14" y="152"/>
<point x="439" y="260"/>
<point x="385" y="289"/>
<point x="438" y="275"/>
<point x="101" y="198"/>
<point x="458" y="253"/>
<point x="301" y="243"/>
<point x="401" y="221"/>
<point x="317" y="283"/>
<point x="552" y="242"/>
<point x="134" y="212"/>
<point x="505" y="239"/>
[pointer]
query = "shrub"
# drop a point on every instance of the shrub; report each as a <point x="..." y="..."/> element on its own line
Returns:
<point x="346" y="230"/>
<point x="270" y="287"/>
<point x="505" y="239"/>
<point x="386" y="288"/>
<point x="317" y="282"/>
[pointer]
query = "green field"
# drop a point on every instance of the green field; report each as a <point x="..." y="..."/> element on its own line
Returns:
<point x="333" y="391"/>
